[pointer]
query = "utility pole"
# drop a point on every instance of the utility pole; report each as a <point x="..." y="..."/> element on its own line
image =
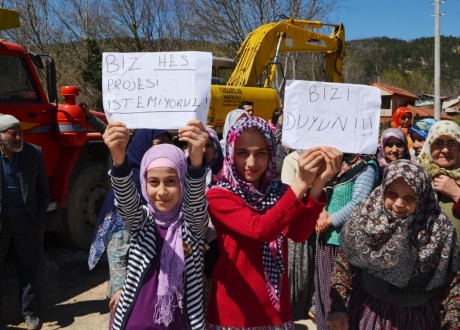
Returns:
<point x="437" y="60"/>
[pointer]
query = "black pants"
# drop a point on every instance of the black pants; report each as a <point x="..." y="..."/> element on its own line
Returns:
<point x="27" y="239"/>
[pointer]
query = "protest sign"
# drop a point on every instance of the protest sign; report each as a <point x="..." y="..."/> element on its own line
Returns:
<point x="156" y="90"/>
<point x="344" y="116"/>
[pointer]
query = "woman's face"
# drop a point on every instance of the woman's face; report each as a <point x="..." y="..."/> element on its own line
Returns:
<point x="209" y="150"/>
<point x="163" y="188"/>
<point x="251" y="156"/>
<point x="406" y="120"/>
<point x="400" y="199"/>
<point x="393" y="149"/>
<point x="445" y="152"/>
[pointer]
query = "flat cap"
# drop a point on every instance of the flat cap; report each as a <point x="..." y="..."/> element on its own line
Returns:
<point x="7" y="121"/>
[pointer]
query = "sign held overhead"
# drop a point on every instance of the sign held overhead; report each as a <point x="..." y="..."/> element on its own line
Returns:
<point x="156" y="90"/>
<point x="345" y="116"/>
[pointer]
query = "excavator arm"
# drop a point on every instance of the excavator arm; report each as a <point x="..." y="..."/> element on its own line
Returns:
<point x="261" y="48"/>
<point x="9" y="19"/>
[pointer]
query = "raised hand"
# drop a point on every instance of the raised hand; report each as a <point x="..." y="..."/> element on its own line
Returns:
<point x="333" y="161"/>
<point x="310" y="163"/>
<point x="196" y="136"/>
<point x="332" y="158"/>
<point x="116" y="138"/>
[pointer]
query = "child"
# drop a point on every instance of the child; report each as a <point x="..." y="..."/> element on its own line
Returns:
<point x="110" y="233"/>
<point x="163" y="288"/>
<point x="253" y="216"/>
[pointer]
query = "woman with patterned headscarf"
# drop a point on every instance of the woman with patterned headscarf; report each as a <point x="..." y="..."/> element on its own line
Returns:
<point x="393" y="146"/>
<point x="254" y="215"/>
<point x="440" y="156"/>
<point x="399" y="267"/>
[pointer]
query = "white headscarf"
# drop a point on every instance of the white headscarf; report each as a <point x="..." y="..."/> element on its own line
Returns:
<point x="231" y="118"/>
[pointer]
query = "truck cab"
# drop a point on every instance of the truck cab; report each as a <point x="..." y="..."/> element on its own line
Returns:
<point x="76" y="158"/>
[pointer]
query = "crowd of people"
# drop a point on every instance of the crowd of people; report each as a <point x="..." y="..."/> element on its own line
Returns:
<point x="242" y="233"/>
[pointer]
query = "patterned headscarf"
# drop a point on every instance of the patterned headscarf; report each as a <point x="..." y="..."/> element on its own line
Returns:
<point x="396" y="122"/>
<point x="422" y="127"/>
<point x="172" y="264"/>
<point x="420" y="249"/>
<point x="442" y="127"/>
<point x="262" y="200"/>
<point x="398" y="115"/>
<point x="388" y="133"/>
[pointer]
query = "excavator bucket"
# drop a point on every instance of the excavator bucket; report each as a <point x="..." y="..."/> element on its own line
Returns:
<point x="9" y="19"/>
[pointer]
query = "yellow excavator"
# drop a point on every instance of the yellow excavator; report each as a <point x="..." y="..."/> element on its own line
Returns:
<point x="258" y="62"/>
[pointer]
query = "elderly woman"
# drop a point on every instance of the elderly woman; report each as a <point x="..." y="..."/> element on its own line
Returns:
<point x="399" y="265"/>
<point x="440" y="156"/>
<point x="393" y="146"/>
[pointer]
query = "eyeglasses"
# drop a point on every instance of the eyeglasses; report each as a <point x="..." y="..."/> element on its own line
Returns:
<point x="441" y="144"/>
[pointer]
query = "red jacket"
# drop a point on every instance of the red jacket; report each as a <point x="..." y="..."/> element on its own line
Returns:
<point x="239" y="295"/>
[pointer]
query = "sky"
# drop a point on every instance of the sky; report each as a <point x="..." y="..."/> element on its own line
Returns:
<point x="401" y="19"/>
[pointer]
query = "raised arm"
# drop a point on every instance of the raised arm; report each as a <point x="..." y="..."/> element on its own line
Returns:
<point x="127" y="198"/>
<point x="195" y="202"/>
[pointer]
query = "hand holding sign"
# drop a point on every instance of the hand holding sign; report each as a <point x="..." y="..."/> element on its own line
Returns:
<point x="116" y="138"/>
<point x="196" y="136"/>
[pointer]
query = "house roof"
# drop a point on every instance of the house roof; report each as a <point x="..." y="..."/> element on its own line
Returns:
<point x="395" y="90"/>
<point x="427" y="112"/>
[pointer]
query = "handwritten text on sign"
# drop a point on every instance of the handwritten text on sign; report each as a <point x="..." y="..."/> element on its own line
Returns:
<point x="156" y="90"/>
<point x="344" y="116"/>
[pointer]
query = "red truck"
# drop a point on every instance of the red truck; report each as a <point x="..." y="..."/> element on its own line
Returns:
<point x="75" y="155"/>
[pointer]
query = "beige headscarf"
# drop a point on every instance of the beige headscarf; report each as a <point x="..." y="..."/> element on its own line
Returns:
<point x="442" y="127"/>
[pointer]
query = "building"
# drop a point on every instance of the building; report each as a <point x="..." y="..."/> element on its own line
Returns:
<point x="394" y="97"/>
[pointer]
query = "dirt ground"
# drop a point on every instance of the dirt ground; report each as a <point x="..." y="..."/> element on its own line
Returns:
<point x="73" y="296"/>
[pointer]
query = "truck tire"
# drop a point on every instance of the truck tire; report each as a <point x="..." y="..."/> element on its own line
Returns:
<point x="84" y="202"/>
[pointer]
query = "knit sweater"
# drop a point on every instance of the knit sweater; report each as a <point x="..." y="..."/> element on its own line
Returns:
<point x="239" y="296"/>
<point x="142" y="227"/>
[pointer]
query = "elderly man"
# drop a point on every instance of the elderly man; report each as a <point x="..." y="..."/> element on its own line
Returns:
<point x="24" y="198"/>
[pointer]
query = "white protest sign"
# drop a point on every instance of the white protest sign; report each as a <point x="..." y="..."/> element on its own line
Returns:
<point x="344" y="116"/>
<point x="156" y="90"/>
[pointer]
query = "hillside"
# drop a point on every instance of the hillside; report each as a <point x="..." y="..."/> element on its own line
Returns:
<point x="405" y="64"/>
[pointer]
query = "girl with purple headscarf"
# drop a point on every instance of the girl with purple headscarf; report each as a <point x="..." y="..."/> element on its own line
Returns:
<point x="110" y="233"/>
<point x="163" y="288"/>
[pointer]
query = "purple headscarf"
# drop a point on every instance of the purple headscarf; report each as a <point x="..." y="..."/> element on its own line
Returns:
<point x="388" y="133"/>
<point x="172" y="265"/>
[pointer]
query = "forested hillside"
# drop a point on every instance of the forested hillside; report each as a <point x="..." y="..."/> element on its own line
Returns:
<point x="405" y="64"/>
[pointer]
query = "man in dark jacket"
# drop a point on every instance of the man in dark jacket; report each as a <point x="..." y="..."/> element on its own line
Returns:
<point x="24" y="197"/>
